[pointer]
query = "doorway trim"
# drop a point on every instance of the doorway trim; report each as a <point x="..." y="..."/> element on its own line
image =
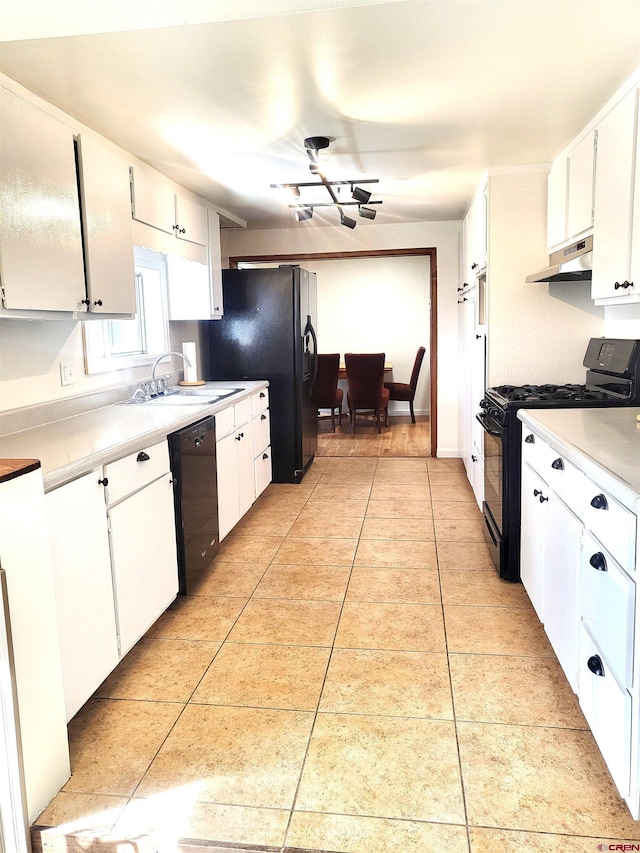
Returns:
<point x="431" y="253"/>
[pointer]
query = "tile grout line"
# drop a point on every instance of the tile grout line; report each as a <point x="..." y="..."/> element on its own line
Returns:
<point x="324" y="680"/>
<point x="451" y="693"/>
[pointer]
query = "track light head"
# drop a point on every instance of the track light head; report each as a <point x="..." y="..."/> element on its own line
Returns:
<point x="303" y="213"/>
<point x="347" y="221"/>
<point x="360" y="195"/>
<point x="366" y="212"/>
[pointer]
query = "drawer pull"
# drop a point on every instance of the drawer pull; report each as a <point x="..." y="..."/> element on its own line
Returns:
<point x="530" y="439"/>
<point x="598" y="561"/>
<point x="104" y="481"/>
<point x="240" y="436"/>
<point x="142" y="457"/>
<point x="599" y="502"/>
<point x="558" y="464"/>
<point x="595" y="665"/>
<point x="538" y="494"/>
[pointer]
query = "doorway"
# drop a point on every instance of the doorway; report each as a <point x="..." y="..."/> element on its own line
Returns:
<point x="431" y="284"/>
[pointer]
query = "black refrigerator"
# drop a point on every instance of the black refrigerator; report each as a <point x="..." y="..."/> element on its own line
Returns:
<point x="268" y="332"/>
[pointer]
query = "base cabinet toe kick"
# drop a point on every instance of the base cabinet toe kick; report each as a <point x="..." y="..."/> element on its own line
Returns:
<point x="579" y="566"/>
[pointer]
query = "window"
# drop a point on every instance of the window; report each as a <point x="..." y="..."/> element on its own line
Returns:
<point x="119" y="344"/>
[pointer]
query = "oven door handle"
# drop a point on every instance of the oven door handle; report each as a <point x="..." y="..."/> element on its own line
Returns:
<point x="485" y="422"/>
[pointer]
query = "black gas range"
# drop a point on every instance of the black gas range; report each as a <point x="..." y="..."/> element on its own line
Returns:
<point x="613" y="379"/>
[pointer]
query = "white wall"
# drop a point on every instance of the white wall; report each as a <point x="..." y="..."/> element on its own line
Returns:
<point x="356" y="314"/>
<point x="443" y="236"/>
<point x="622" y="321"/>
<point x="31" y="350"/>
<point x="537" y="332"/>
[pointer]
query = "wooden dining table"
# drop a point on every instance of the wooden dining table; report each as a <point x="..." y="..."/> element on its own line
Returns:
<point x="342" y="370"/>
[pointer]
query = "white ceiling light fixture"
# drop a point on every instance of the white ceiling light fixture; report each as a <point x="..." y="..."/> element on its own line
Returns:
<point x="302" y="211"/>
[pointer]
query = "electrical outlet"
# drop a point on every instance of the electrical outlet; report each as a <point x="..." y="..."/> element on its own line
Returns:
<point x="66" y="373"/>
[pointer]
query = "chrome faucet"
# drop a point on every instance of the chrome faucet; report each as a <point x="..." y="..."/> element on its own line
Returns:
<point x="154" y="385"/>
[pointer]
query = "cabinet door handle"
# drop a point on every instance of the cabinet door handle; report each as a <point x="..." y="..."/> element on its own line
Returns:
<point x="86" y="302"/>
<point x="595" y="665"/>
<point x="263" y="417"/>
<point x="142" y="457"/>
<point x="599" y="502"/>
<point x="530" y="439"/>
<point x="265" y="455"/>
<point x="474" y="458"/>
<point x="104" y="481"/>
<point x="599" y="561"/>
<point x="98" y="302"/>
<point x="538" y="494"/>
<point x="558" y="464"/>
<point x="240" y="436"/>
<point x="262" y="395"/>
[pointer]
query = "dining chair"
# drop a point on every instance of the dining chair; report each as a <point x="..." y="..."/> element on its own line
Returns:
<point x="365" y="387"/>
<point x="403" y="391"/>
<point x="325" y="393"/>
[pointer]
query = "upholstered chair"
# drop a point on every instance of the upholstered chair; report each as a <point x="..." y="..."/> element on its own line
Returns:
<point x="366" y="391"/>
<point x="325" y="393"/>
<point x="406" y="392"/>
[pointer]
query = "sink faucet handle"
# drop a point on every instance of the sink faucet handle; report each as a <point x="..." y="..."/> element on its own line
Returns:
<point x="161" y="385"/>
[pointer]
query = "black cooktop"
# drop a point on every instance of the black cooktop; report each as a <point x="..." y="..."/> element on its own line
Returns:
<point x="543" y="393"/>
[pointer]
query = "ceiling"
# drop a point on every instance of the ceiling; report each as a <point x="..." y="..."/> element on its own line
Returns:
<point x="422" y="94"/>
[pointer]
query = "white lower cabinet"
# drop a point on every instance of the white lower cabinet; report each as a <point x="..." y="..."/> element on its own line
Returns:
<point x="143" y="554"/>
<point x="531" y="551"/>
<point x="113" y="549"/>
<point x="562" y="534"/>
<point x="607" y="708"/>
<point x="549" y="560"/>
<point x="578" y="565"/>
<point x="83" y="588"/>
<point x="243" y="454"/>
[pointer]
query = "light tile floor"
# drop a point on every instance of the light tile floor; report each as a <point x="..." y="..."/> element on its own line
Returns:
<point x="353" y="676"/>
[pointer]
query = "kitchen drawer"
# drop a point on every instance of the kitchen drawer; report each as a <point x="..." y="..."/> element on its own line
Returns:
<point x="259" y="402"/>
<point x="132" y="472"/>
<point x="261" y="433"/>
<point x="535" y="451"/>
<point x="262" y="465"/>
<point x="607" y="606"/>
<point x="567" y="481"/>
<point x="242" y="412"/>
<point x="607" y="708"/>
<point x="612" y="524"/>
<point x="225" y="422"/>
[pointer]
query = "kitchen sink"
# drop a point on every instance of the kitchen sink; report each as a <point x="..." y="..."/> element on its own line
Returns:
<point x="185" y="397"/>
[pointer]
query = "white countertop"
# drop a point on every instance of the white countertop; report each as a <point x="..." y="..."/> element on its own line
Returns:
<point x="603" y="443"/>
<point x="73" y="446"/>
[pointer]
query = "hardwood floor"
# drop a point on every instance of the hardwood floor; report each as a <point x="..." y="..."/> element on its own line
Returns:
<point x="400" y="438"/>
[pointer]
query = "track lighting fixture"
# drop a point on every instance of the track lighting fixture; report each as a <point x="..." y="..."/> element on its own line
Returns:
<point x="360" y="195"/>
<point x="366" y="212"/>
<point x="313" y="145"/>
<point x="347" y="221"/>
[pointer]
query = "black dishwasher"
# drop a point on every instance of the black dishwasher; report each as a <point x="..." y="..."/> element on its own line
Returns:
<point x="193" y="464"/>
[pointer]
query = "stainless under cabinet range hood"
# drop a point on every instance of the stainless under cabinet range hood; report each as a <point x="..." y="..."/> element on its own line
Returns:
<point x="572" y="263"/>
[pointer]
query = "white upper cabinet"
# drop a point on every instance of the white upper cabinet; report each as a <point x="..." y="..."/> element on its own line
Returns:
<point x="580" y="196"/>
<point x="614" y="198"/>
<point x="152" y="199"/>
<point x="106" y="218"/>
<point x="557" y="187"/>
<point x="41" y="266"/>
<point x="191" y="221"/>
<point x="154" y="202"/>
<point x="570" y="193"/>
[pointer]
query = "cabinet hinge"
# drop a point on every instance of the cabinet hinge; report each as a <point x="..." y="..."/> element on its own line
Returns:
<point x="109" y="523"/>
<point x="2" y="296"/>
<point x="119" y="644"/>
